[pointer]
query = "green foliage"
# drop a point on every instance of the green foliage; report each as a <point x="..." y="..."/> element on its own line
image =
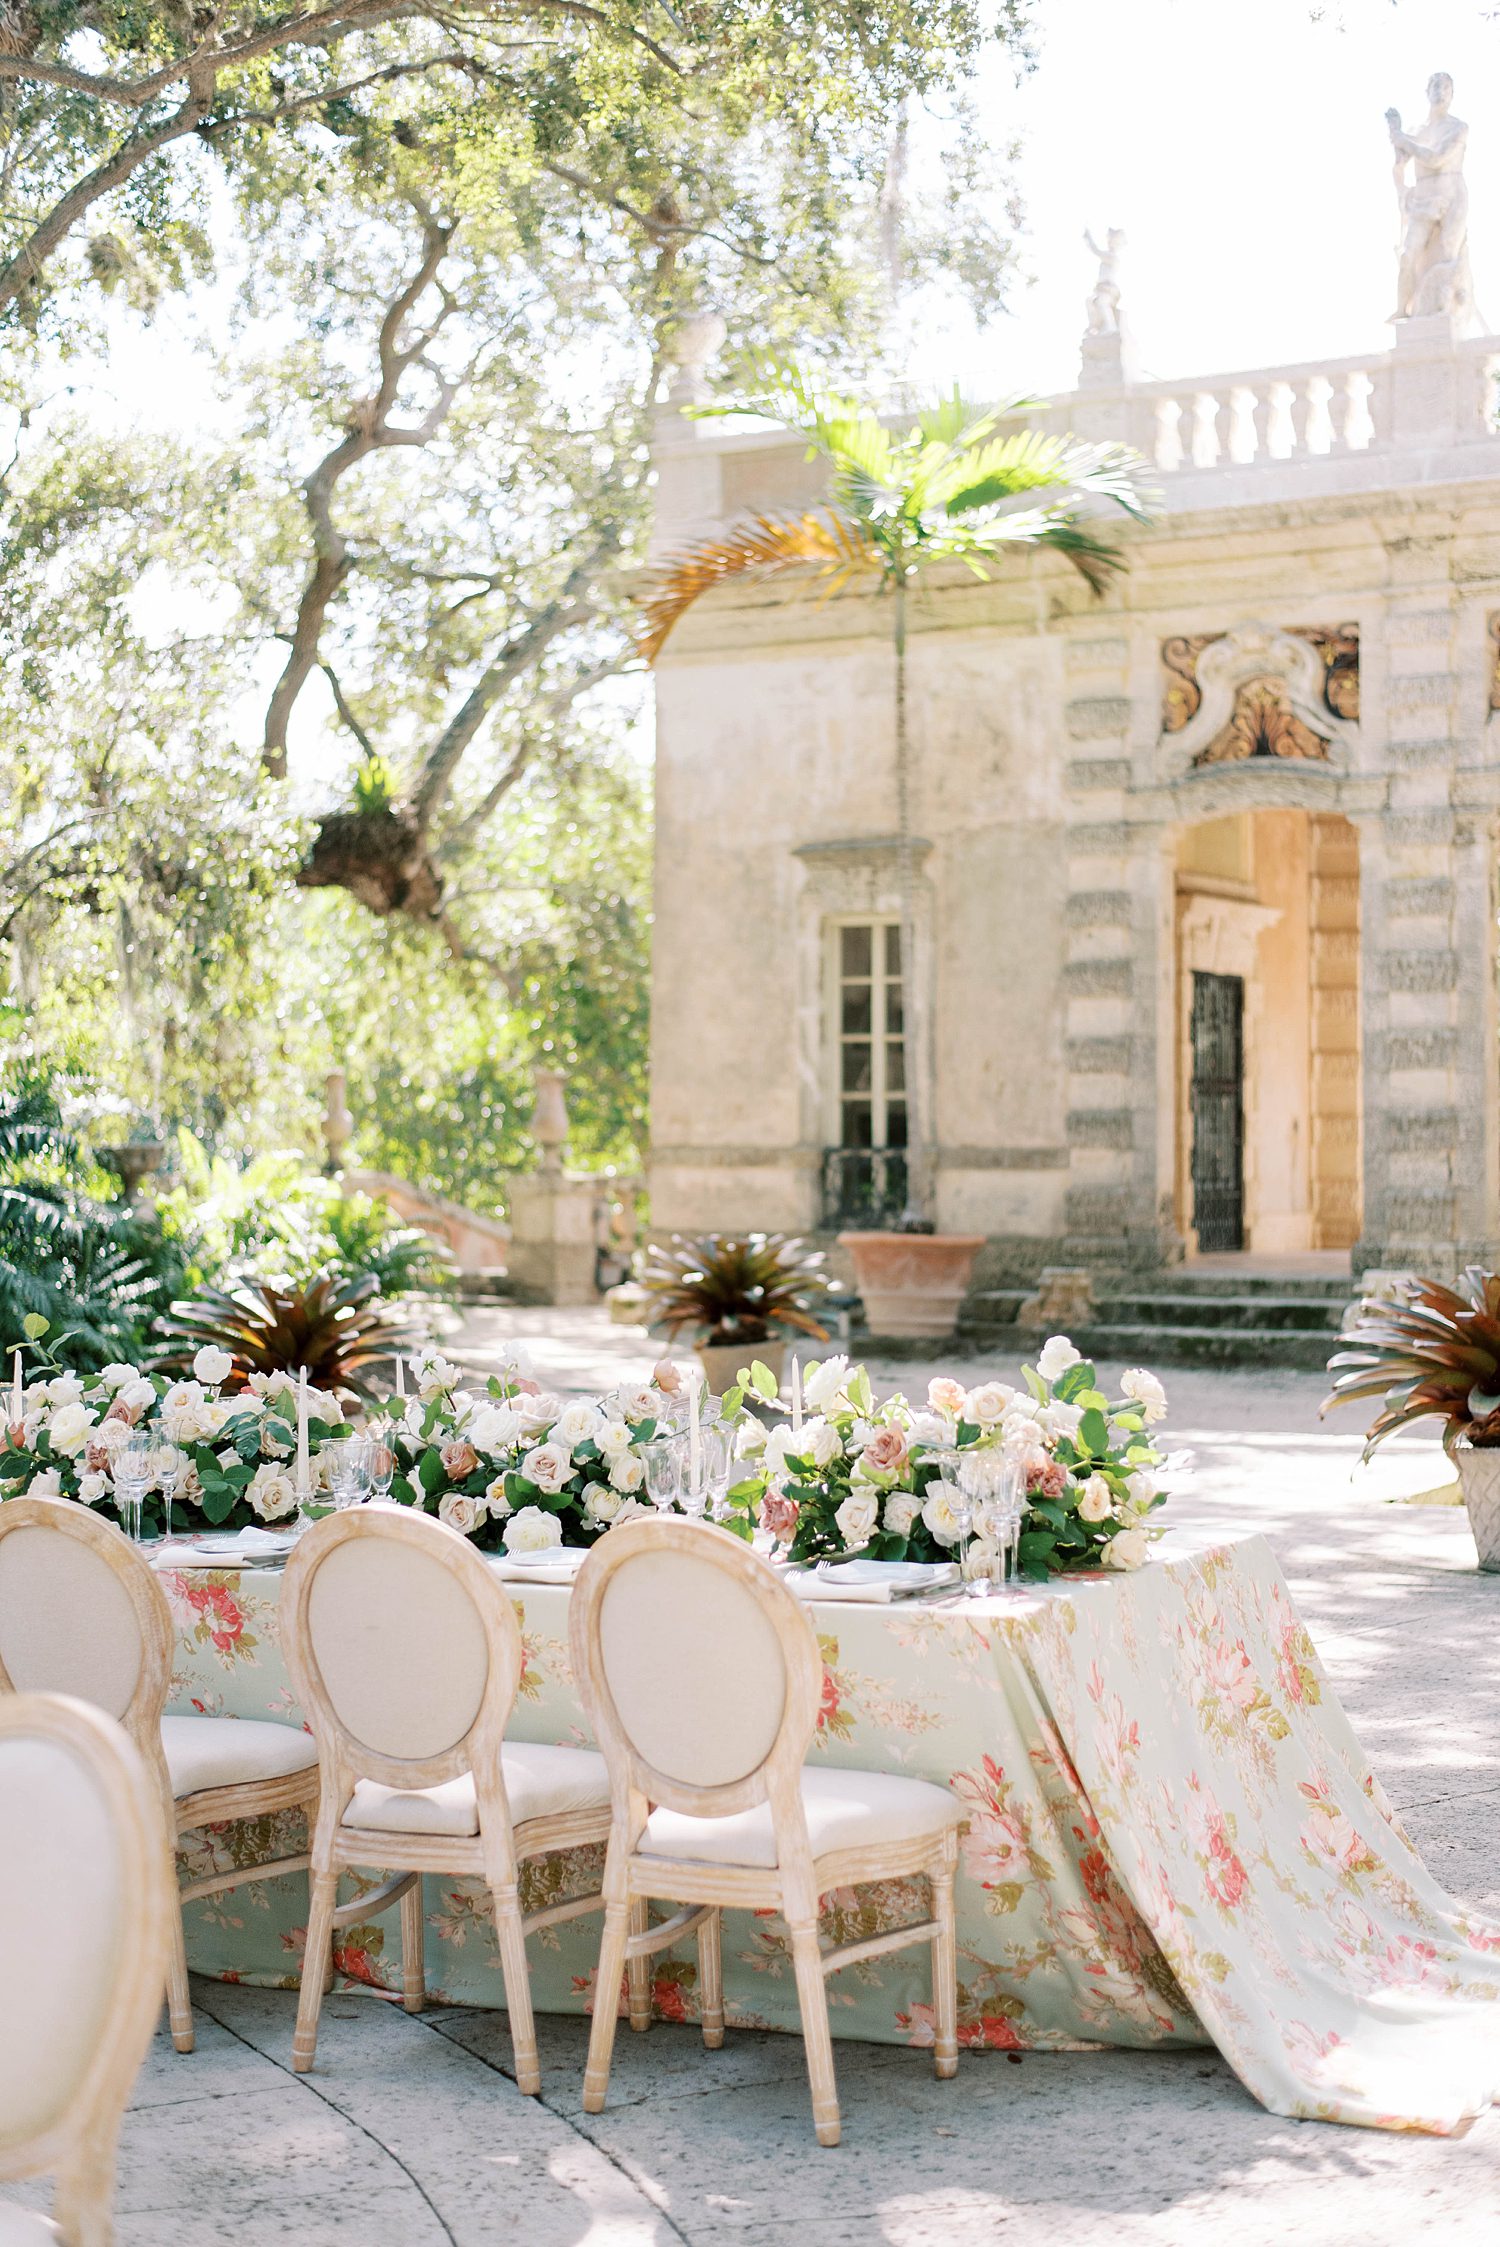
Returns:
<point x="729" y="1289"/>
<point x="338" y="1328"/>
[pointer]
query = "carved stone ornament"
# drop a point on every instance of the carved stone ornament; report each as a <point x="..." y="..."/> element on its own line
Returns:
<point x="1259" y="691"/>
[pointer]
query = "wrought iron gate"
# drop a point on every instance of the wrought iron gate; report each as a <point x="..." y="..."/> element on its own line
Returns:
<point x="1218" y="1100"/>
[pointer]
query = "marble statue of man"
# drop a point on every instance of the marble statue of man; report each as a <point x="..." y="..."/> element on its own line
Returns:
<point x="1103" y="306"/>
<point x="1434" y="273"/>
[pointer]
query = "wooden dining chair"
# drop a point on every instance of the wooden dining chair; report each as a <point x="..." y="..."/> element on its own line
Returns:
<point x="82" y="1613"/>
<point x="86" y="1904"/>
<point x="701" y="1673"/>
<point x="405" y="1652"/>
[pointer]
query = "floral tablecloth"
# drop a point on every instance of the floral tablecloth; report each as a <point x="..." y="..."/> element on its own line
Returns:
<point x="1173" y="1838"/>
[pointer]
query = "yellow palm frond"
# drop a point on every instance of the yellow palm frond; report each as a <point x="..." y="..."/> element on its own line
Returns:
<point x="828" y="544"/>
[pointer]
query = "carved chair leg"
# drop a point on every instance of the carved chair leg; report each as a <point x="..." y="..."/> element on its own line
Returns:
<point x="638" y="1971"/>
<point x="944" y="1972"/>
<point x="179" y="1999"/>
<point x="711" y="1980"/>
<point x="812" y="1998"/>
<point x="512" y="1941"/>
<point x="413" y="1941"/>
<point x="606" y="2006"/>
<point x="323" y="1888"/>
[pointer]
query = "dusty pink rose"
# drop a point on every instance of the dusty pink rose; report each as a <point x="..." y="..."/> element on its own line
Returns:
<point x="666" y="1377"/>
<point x="16" y="1433"/>
<point x="119" y="1410"/>
<point x="886" y="1451"/>
<point x="778" y="1514"/>
<point x="524" y="1386"/>
<point x="459" y="1459"/>
<point x="1050" y="1481"/>
<point x="96" y="1458"/>
<point x="947" y="1396"/>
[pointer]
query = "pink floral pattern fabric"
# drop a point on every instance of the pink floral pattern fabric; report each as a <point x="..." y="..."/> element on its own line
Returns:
<point x="1172" y="1838"/>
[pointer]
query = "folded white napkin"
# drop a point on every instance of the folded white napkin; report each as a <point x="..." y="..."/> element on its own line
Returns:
<point x="555" y="1564"/>
<point x="226" y="1549"/>
<point x="872" y="1581"/>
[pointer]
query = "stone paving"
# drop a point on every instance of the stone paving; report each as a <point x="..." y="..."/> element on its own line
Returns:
<point x="411" y="2132"/>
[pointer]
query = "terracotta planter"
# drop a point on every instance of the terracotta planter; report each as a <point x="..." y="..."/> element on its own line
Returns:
<point x="912" y="1283"/>
<point x="1479" y="1479"/>
<point x="721" y="1361"/>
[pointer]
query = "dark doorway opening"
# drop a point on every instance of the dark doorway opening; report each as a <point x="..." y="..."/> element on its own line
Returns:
<point x="1218" y="1104"/>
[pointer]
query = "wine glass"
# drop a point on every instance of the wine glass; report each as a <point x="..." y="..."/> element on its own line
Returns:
<point x="949" y="1460"/>
<point x="132" y="1471"/>
<point x="718" y="1468"/>
<point x="664" y="1458"/>
<point x="169" y="1466"/>
<point x="349" y="1471"/>
<point x="382" y="1464"/>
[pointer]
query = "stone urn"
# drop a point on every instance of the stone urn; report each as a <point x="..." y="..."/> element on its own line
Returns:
<point x="134" y="1163"/>
<point x="1479" y="1480"/>
<point x="912" y="1284"/>
<point x="721" y="1361"/>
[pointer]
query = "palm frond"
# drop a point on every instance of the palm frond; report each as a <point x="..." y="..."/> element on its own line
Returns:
<point x="828" y="545"/>
<point x="1096" y="561"/>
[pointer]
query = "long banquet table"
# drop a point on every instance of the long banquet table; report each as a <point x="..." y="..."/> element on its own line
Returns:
<point x="1173" y="1839"/>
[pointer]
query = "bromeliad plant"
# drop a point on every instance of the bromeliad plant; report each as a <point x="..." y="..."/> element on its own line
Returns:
<point x="877" y="1479"/>
<point x="340" y="1328"/>
<point x="1428" y="1351"/>
<point x="735" y="1290"/>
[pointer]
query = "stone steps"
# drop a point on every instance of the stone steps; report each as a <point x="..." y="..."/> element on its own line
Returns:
<point x="1259" y="1319"/>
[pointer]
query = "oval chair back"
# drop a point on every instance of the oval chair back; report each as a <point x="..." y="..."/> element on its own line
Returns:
<point x="86" y="1901"/>
<point x="81" y="1613"/>
<point x="699" y="1668"/>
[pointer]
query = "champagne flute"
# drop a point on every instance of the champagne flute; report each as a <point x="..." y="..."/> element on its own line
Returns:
<point x="132" y="1471"/>
<point x="349" y="1471"/>
<point x="169" y="1466"/>
<point x="664" y="1458"/>
<point x="382" y="1464"/>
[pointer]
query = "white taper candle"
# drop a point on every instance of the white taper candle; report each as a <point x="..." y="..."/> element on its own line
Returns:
<point x="304" y="1476"/>
<point x="796" y="1392"/>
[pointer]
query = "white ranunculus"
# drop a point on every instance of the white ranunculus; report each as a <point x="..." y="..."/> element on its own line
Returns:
<point x="459" y="1511"/>
<point x="626" y="1473"/>
<point x="986" y="1405"/>
<point x="138" y="1393"/>
<point x="495" y="1428"/>
<point x="576" y="1424"/>
<point x="939" y="1515"/>
<point x="822" y="1382"/>
<point x="1147" y="1392"/>
<point x="68" y="1428"/>
<point x="1095" y="1500"/>
<point x="116" y="1376"/>
<point x="548" y="1466"/>
<point x="496" y="1500"/>
<point x="272" y="1493"/>
<point x="1127" y="1549"/>
<point x="91" y="1488"/>
<point x="900" y="1512"/>
<point x="1057" y="1355"/>
<point x="212" y="1366"/>
<point x="857" y="1516"/>
<point x="48" y="1484"/>
<point x="603" y="1504"/>
<point x="613" y="1440"/>
<point x="532" y="1530"/>
<point x="64" y="1389"/>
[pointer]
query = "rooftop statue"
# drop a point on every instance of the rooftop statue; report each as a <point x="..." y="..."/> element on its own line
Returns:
<point x="1434" y="203"/>
<point x="1103" y="304"/>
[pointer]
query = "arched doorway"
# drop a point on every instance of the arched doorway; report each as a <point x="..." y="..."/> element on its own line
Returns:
<point x="1267" y="1013"/>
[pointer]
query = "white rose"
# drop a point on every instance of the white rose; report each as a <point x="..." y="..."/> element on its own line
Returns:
<point x="459" y="1511"/>
<point x="1060" y="1419"/>
<point x="982" y="1560"/>
<point x="228" y="1457"/>
<point x="822" y="1382"/>
<point x="750" y="1438"/>
<point x="496" y="1500"/>
<point x="578" y="1424"/>
<point x="48" y="1484"/>
<point x="214" y="1413"/>
<point x="272" y="1384"/>
<point x="1141" y="1488"/>
<point x="182" y="1396"/>
<point x="900" y="1512"/>
<point x="549" y="1467"/>
<point x="1127" y="1549"/>
<point x="110" y="1434"/>
<point x="818" y="1441"/>
<point x="603" y="1504"/>
<point x="91" y="1488"/>
<point x="939" y="1515"/>
<point x="1147" y="1392"/>
<point x="639" y="1404"/>
<point x="116" y="1376"/>
<point x="495" y="1428"/>
<point x="631" y="1509"/>
<point x="929" y="1428"/>
<point x="68" y="1428"/>
<point x="322" y="1404"/>
<point x="986" y="1405"/>
<point x="613" y="1439"/>
<point x="272" y="1493"/>
<point x="138" y="1394"/>
<point x="1057" y="1355"/>
<point x="538" y="1412"/>
<point x="212" y="1365"/>
<point x="414" y="1416"/>
<point x="626" y="1473"/>
<point x="63" y="1389"/>
<point x="532" y="1530"/>
<point x="1095" y="1500"/>
<point x="435" y="1375"/>
<point x="857" y="1516"/>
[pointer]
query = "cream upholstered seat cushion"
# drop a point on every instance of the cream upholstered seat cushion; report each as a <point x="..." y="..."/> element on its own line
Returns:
<point x="22" y="2227"/>
<point x="540" y="1782"/>
<point x="226" y="1751"/>
<point x="845" y="1810"/>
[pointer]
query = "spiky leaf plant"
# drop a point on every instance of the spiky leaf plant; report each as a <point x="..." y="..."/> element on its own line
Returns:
<point x="734" y="1289"/>
<point x="1428" y="1351"/>
<point x="340" y="1329"/>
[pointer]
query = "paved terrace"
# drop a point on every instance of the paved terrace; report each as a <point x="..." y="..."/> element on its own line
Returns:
<point x="411" y="2132"/>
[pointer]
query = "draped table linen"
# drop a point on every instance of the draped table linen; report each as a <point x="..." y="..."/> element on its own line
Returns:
<point x="1173" y="1839"/>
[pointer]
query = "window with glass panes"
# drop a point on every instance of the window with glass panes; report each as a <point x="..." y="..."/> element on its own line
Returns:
<point x="869" y="1058"/>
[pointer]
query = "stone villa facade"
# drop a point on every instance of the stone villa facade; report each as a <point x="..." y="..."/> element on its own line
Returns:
<point x="1206" y="931"/>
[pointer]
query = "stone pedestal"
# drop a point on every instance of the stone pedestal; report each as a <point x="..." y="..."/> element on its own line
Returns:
<point x="552" y="1236"/>
<point x="1427" y="407"/>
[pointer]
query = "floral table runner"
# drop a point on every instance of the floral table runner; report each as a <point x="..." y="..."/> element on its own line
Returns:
<point x="1173" y="1838"/>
